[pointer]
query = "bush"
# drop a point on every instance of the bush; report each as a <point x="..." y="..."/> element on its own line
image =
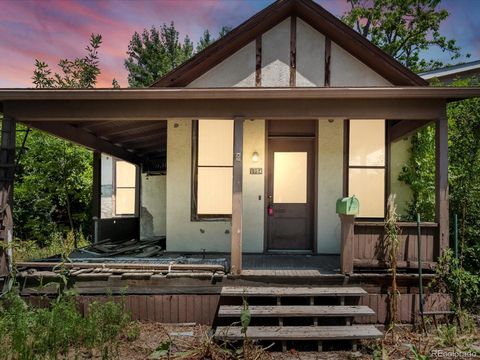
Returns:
<point x="39" y="333"/>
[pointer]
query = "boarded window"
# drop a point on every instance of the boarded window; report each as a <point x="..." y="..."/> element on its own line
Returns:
<point x="214" y="167"/>
<point x="366" y="173"/>
<point x="125" y="184"/>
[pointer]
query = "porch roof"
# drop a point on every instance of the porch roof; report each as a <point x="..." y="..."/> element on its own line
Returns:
<point x="130" y="123"/>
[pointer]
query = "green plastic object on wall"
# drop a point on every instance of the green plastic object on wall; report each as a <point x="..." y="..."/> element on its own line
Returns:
<point x="348" y="206"/>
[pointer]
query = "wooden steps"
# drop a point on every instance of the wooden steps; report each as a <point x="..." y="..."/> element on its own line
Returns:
<point x="252" y="291"/>
<point x="292" y="333"/>
<point x="297" y="311"/>
<point x="303" y="314"/>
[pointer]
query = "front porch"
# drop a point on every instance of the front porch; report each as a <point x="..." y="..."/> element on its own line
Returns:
<point x="120" y="123"/>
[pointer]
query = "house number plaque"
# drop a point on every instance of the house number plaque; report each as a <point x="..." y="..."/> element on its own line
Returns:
<point x="256" y="171"/>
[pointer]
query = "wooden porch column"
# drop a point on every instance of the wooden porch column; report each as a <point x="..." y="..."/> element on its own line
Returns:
<point x="237" y="206"/>
<point x="441" y="180"/>
<point x="346" y="247"/>
<point x="7" y="172"/>
<point x="96" y="192"/>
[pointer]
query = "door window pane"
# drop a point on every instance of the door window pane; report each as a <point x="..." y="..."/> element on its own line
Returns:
<point x="214" y="195"/>
<point x="290" y="177"/>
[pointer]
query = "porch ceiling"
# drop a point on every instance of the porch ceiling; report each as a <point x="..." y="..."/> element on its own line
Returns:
<point x="130" y="123"/>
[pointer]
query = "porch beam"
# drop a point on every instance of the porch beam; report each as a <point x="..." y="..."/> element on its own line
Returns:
<point x="441" y="180"/>
<point x="89" y="140"/>
<point x="284" y="108"/>
<point x="237" y="206"/>
<point x="405" y="128"/>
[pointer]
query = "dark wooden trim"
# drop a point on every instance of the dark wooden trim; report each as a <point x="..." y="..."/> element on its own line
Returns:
<point x="314" y="15"/>
<point x="328" y="54"/>
<point x="96" y="184"/>
<point x="31" y="112"/>
<point x="315" y="191"/>
<point x="293" y="50"/>
<point x="258" y="61"/>
<point x="7" y="176"/>
<point x="388" y="165"/>
<point x="265" y="190"/>
<point x="441" y="180"/>
<point x="405" y="128"/>
<point x="401" y="224"/>
<point x="237" y="202"/>
<point x="346" y="150"/>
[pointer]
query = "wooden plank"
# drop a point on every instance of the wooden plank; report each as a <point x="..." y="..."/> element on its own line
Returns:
<point x="237" y="205"/>
<point x="296" y="311"/>
<point x="441" y="180"/>
<point x="328" y="54"/>
<point x="347" y="243"/>
<point x="280" y="104"/>
<point x="300" y="332"/>
<point x="258" y="61"/>
<point x="291" y="291"/>
<point x="293" y="50"/>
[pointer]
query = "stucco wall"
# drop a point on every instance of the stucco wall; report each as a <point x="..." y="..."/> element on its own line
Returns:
<point x="153" y="206"/>
<point x="400" y="153"/>
<point x="310" y="56"/>
<point x="330" y="184"/>
<point x="237" y="70"/>
<point x="186" y="235"/>
<point x="347" y="70"/>
<point x="276" y="55"/>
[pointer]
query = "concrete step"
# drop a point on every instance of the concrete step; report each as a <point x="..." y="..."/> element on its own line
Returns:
<point x="296" y="311"/>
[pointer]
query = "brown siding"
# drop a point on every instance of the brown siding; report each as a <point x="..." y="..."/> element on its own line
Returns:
<point x="368" y="250"/>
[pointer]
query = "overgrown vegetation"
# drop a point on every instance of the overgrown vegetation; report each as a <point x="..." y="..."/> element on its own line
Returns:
<point x="60" y="330"/>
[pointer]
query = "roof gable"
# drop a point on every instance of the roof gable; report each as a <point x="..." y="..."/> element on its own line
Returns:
<point x="314" y="15"/>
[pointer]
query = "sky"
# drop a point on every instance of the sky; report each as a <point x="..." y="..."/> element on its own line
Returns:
<point x="50" y="30"/>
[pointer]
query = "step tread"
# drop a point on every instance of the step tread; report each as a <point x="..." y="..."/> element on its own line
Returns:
<point x="296" y="311"/>
<point x="292" y="291"/>
<point x="352" y="332"/>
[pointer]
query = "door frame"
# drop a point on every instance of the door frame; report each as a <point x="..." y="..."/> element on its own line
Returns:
<point x="315" y="189"/>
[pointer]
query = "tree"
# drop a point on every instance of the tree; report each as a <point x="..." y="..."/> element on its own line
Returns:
<point x="403" y="28"/>
<point x="207" y="38"/>
<point x="53" y="183"/>
<point x="155" y="52"/>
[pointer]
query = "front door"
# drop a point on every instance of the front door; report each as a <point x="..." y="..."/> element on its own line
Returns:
<point x="290" y="203"/>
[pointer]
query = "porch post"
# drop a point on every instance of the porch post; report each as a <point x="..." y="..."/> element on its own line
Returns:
<point x="7" y="172"/>
<point x="237" y="206"/>
<point x="346" y="247"/>
<point x="96" y="192"/>
<point x="441" y="180"/>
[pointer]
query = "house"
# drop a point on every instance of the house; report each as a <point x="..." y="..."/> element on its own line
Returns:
<point x="244" y="150"/>
<point x="448" y="74"/>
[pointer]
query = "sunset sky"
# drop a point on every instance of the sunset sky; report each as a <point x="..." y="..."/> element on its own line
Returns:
<point x="52" y="29"/>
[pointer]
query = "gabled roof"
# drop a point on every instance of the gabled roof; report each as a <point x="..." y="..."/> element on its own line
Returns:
<point x="313" y="14"/>
<point x="452" y="70"/>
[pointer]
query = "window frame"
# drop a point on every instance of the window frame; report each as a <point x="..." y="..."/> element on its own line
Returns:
<point x="194" y="216"/>
<point x="386" y="167"/>
<point x="115" y="187"/>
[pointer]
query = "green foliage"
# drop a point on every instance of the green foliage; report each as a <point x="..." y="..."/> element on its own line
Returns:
<point x="52" y="189"/>
<point x="416" y="354"/>
<point x="40" y="333"/>
<point x="403" y="28"/>
<point x="454" y="279"/>
<point x="77" y="73"/>
<point x="155" y="52"/>
<point x="419" y="174"/>
<point x="392" y="244"/>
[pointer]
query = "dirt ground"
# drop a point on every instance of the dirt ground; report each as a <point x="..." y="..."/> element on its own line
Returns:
<point x="184" y="338"/>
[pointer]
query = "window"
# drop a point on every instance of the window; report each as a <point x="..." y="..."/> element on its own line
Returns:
<point x="366" y="166"/>
<point x="125" y="184"/>
<point x="213" y="168"/>
<point x="118" y="188"/>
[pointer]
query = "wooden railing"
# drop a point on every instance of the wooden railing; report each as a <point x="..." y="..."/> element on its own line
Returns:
<point x="363" y="245"/>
